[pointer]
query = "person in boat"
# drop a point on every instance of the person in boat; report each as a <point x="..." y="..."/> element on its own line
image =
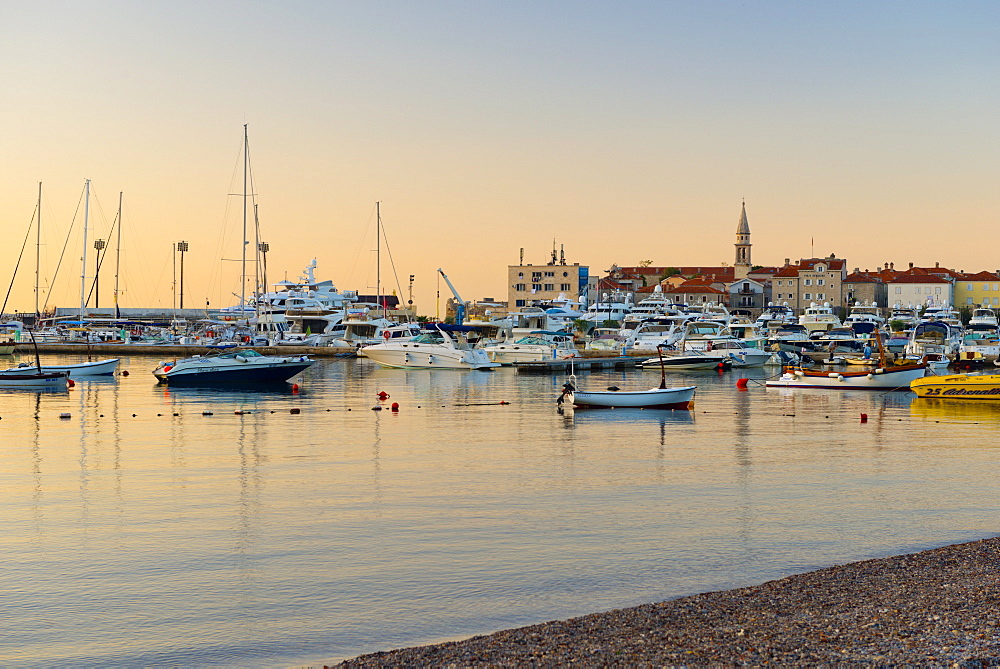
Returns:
<point x="868" y="352"/>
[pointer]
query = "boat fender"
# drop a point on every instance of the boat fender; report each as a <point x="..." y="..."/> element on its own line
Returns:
<point x="871" y="376"/>
<point x="430" y="360"/>
<point x="799" y="373"/>
<point x="167" y="368"/>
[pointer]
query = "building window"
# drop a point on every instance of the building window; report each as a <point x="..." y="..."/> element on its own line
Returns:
<point x="819" y="282"/>
<point x="820" y="268"/>
<point x="916" y="290"/>
<point x="550" y="274"/>
<point x="968" y="286"/>
<point x="519" y="303"/>
<point x="565" y="286"/>
<point x="986" y="287"/>
<point x="937" y="290"/>
<point x="520" y="275"/>
<point x="520" y="286"/>
<point x="536" y="275"/>
<point x="820" y="296"/>
<point x="809" y="282"/>
<point x="968" y="301"/>
<point x="549" y="286"/>
<point x="565" y="273"/>
<point x="996" y="300"/>
<point x="807" y="296"/>
<point x="996" y="287"/>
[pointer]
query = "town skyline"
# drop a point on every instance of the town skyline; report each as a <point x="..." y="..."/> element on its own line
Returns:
<point x="629" y="133"/>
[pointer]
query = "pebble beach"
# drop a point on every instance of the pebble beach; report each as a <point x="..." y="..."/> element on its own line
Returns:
<point x="939" y="607"/>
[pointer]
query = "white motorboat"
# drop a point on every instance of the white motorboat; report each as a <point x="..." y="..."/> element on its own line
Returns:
<point x="537" y="346"/>
<point x="95" y="368"/>
<point x="739" y="353"/>
<point x="231" y="365"/>
<point x="441" y="346"/>
<point x="984" y="316"/>
<point x="687" y="360"/>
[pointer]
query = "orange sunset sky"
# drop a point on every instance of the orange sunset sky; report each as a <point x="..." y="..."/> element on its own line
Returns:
<point x="624" y="131"/>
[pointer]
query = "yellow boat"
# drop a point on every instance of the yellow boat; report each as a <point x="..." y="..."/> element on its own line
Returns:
<point x="981" y="387"/>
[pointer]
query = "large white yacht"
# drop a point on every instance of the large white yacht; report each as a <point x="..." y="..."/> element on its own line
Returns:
<point x="614" y="307"/>
<point x="819" y="317"/>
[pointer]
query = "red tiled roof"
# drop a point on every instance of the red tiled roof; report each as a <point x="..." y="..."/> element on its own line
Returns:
<point x="918" y="278"/>
<point x="862" y="277"/>
<point x="687" y="289"/>
<point x="981" y="276"/>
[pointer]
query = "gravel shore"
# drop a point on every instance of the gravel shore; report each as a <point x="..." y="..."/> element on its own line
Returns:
<point x="936" y="608"/>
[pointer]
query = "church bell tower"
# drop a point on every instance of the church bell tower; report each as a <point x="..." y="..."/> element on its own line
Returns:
<point x="742" y="264"/>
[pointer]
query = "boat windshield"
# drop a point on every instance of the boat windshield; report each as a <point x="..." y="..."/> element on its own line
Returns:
<point x="427" y="338"/>
<point x="245" y="353"/>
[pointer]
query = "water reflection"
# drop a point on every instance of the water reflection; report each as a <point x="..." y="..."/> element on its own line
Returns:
<point x="944" y="410"/>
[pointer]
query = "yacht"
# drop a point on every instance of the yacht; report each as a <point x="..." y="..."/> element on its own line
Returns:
<point x="779" y="314"/>
<point x="613" y="307"/>
<point x="439" y="346"/>
<point x="651" y="333"/>
<point x="905" y="315"/>
<point x="935" y="337"/>
<point x="984" y="316"/>
<point x="865" y="313"/>
<point x="819" y="317"/>
<point x="538" y="346"/>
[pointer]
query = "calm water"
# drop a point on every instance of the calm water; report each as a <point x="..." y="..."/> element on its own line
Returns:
<point x="140" y="531"/>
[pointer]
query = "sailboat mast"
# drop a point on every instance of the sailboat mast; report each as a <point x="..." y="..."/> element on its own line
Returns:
<point x="243" y="265"/>
<point x="83" y="270"/>
<point x="118" y="254"/>
<point x="378" y="256"/>
<point x="38" y="253"/>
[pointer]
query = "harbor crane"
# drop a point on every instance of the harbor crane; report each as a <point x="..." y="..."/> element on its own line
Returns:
<point x="459" y="302"/>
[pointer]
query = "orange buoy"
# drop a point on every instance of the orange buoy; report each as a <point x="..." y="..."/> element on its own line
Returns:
<point x="395" y="406"/>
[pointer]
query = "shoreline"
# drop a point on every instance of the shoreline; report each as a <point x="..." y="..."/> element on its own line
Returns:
<point x="933" y="608"/>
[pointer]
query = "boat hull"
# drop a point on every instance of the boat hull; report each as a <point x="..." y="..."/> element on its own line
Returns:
<point x="686" y="362"/>
<point x="978" y="388"/>
<point x="655" y="398"/>
<point x="208" y="375"/>
<point x="886" y="378"/>
<point x="98" y="368"/>
<point x="44" y="381"/>
<point x="406" y="355"/>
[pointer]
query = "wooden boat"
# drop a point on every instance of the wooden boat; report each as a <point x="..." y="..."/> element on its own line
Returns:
<point x="655" y="398"/>
<point x="94" y="368"/>
<point x="883" y="376"/>
<point x="52" y="381"/>
<point x="978" y="387"/>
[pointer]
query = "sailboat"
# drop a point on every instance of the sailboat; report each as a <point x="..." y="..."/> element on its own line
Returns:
<point x="236" y="366"/>
<point x="29" y="378"/>
<point x="90" y="368"/>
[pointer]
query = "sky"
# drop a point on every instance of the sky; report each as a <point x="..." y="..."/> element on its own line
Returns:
<point x="623" y="131"/>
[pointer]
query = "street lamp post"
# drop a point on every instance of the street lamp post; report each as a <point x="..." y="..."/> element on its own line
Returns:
<point x="182" y="247"/>
<point x="99" y="245"/>
<point x="264" y="247"/>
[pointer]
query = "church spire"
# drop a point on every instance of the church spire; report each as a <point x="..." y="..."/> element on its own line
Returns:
<point x="742" y="264"/>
